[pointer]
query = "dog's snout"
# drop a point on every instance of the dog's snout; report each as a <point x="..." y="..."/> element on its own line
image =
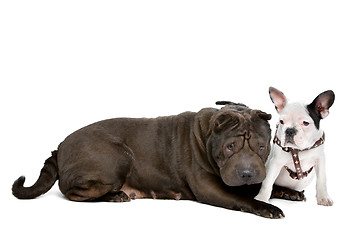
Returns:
<point x="290" y="132"/>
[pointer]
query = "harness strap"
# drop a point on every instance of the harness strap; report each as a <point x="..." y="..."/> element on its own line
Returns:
<point x="298" y="174"/>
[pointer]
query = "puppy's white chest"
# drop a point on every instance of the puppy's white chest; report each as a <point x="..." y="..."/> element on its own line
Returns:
<point x="308" y="161"/>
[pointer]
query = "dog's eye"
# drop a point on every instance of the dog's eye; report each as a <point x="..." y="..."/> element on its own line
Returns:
<point x="230" y="147"/>
<point x="306" y="123"/>
<point x="261" y="148"/>
<point x="282" y="121"/>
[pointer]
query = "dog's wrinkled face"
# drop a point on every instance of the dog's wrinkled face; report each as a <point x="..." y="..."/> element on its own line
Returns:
<point x="299" y="124"/>
<point x="240" y="144"/>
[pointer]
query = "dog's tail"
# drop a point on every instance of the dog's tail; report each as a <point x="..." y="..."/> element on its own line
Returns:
<point x="47" y="178"/>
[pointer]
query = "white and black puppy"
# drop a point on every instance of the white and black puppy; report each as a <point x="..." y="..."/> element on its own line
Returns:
<point x="297" y="154"/>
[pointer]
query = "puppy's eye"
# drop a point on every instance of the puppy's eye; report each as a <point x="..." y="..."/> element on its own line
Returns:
<point x="306" y="123"/>
<point x="281" y="121"/>
<point x="230" y="147"/>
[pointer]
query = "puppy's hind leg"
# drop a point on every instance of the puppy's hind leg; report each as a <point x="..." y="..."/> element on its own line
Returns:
<point x="287" y="194"/>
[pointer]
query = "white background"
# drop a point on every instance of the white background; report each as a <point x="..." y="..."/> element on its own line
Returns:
<point x="66" y="64"/>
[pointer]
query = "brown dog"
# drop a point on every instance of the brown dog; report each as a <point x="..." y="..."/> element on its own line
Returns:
<point x="204" y="156"/>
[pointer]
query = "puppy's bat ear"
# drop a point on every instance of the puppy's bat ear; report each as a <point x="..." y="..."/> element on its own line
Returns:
<point x="278" y="98"/>
<point x="322" y="103"/>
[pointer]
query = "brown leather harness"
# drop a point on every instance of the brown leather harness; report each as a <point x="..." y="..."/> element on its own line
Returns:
<point x="299" y="174"/>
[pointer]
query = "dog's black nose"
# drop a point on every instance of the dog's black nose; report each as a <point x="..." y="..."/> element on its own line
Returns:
<point x="246" y="174"/>
<point x="290" y="132"/>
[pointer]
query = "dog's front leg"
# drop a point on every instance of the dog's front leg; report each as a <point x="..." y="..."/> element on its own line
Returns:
<point x="273" y="168"/>
<point x="321" y="190"/>
<point x="209" y="189"/>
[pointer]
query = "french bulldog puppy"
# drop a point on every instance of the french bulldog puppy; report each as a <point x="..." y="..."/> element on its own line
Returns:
<point x="297" y="154"/>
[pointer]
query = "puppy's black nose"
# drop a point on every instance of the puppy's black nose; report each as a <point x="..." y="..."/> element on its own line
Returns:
<point x="290" y="132"/>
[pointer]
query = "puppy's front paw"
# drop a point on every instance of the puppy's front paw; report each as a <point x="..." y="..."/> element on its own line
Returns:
<point x="261" y="198"/>
<point x="325" y="201"/>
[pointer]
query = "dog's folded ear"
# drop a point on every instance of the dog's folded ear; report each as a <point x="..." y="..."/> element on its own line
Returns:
<point x="263" y="115"/>
<point x="322" y="103"/>
<point x="278" y="98"/>
<point x="225" y="120"/>
<point x="225" y="103"/>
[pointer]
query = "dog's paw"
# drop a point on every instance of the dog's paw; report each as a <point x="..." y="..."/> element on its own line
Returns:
<point x="115" y="197"/>
<point x="325" y="201"/>
<point x="267" y="210"/>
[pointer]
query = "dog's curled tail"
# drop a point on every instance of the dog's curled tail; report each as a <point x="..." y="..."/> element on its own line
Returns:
<point x="47" y="178"/>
